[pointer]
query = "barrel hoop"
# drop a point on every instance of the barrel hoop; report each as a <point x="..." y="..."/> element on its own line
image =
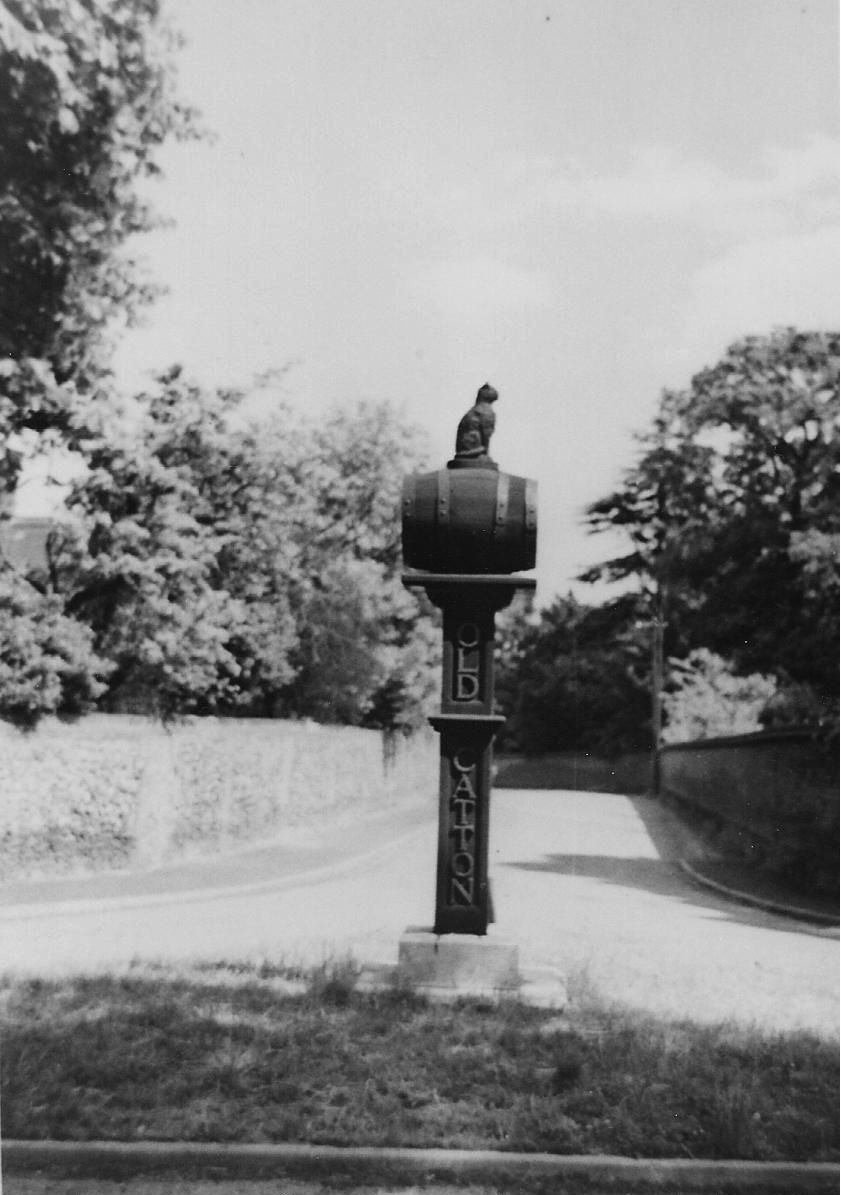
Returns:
<point x="410" y="490"/>
<point x="502" y="487"/>
<point x="443" y="510"/>
<point x="531" y="506"/>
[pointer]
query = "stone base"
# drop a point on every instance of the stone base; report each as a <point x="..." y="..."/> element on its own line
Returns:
<point x="543" y="988"/>
<point x="463" y="964"/>
<point x="445" y="967"/>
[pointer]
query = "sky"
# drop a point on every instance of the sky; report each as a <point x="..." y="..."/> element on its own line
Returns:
<point x="579" y="201"/>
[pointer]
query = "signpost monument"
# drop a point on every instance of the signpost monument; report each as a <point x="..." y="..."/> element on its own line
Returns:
<point x="466" y="529"/>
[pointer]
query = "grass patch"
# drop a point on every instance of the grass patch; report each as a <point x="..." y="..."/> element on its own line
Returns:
<point x="268" y="1054"/>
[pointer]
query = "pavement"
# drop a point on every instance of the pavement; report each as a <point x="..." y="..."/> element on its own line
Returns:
<point x="590" y="884"/>
<point x="319" y="847"/>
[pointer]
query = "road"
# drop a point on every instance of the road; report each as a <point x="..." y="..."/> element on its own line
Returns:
<point x="584" y="882"/>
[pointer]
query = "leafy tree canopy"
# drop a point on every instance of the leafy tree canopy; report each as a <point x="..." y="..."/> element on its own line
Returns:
<point x="223" y="567"/>
<point x="86" y="100"/>
<point x="732" y="509"/>
<point x="211" y="566"/>
<point x="578" y="679"/>
<point x="47" y="661"/>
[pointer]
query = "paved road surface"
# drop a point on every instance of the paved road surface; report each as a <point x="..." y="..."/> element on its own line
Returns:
<point x="584" y="882"/>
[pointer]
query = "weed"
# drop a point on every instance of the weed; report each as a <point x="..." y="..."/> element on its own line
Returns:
<point x="569" y="1063"/>
<point x="334" y="982"/>
<point x="734" y="1120"/>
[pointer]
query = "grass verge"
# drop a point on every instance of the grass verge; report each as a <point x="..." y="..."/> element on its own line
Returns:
<point x="271" y="1054"/>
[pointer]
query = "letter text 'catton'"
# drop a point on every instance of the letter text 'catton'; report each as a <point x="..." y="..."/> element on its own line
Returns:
<point x="462" y="878"/>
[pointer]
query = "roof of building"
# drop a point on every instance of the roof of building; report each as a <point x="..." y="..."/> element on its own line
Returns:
<point x="23" y="542"/>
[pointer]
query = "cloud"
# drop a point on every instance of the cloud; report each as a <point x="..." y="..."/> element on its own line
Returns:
<point x="480" y="286"/>
<point x="512" y="189"/>
<point x="791" y="187"/>
<point x="794" y="185"/>
<point x="785" y="280"/>
<point x="758" y="285"/>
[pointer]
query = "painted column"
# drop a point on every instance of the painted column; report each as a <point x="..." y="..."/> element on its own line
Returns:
<point x="467" y="726"/>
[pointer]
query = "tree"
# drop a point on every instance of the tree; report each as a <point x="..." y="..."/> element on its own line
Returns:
<point x="367" y="649"/>
<point x="774" y="401"/>
<point x="580" y="681"/>
<point x="213" y="566"/>
<point x="47" y="663"/>
<point x="732" y="510"/>
<point x="143" y="564"/>
<point x="663" y="506"/>
<point x="364" y="655"/>
<point x="224" y="567"/>
<point x="86" y="100"/>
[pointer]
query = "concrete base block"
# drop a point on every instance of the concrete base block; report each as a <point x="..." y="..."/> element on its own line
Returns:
<point x="462" y="963"/>
<point x="444" y="967"/>
<point x="543" y="988"/>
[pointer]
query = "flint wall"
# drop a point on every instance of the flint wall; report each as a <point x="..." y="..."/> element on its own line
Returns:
<point x="119" y="791"/>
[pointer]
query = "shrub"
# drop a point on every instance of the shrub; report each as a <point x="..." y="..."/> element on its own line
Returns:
<point x="47" y="661"/>
<point x="705" y="699"/>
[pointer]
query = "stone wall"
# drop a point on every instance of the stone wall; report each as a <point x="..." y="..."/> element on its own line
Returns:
<point x="118" y="791"/>
<point x="775" y="796"/>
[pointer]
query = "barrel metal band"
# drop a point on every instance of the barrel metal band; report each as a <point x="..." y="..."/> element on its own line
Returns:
<point x="502" y="486"/>
<point x="409" y="493"/>
<point x="531" y="506"/>
<point x="443" y="511"/>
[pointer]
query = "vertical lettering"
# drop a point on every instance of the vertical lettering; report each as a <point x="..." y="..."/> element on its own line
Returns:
<point x="463" y="835"/>
<point x="464" y="789"/>
<point x="467" y="662"/>
<point x="463" y="864"/>
<point x="465" y="808"/>
<point x="464" y="761"/>
<point x="467" y="686"/>
<point x="463" y="889"/>
<point x="468" y="635"/>
<point x="463" y="804"/>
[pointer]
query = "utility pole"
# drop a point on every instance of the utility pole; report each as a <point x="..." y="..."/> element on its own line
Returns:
<point x="657" y="669"/>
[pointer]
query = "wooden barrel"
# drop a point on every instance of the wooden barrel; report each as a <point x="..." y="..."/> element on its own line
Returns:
<point x="469" y="520"/>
